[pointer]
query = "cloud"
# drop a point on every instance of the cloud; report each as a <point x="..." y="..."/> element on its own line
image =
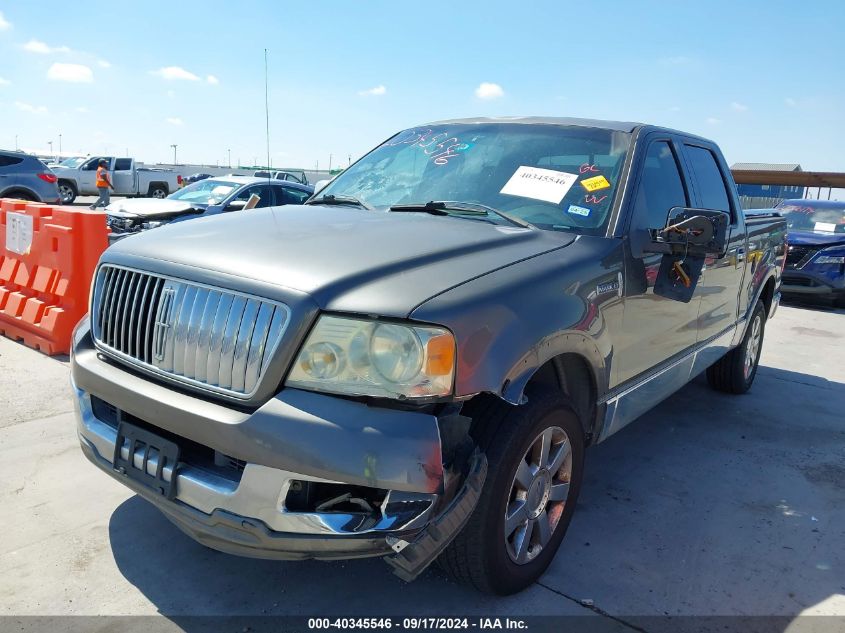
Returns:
<point x="173" y="120"/>
<point x="5" y="25"/>
<point x="488" y="91"/>
<point x="212" y="80"/>
<point x="27" y="107"/>
<point x="102" y="63"/>
<point x="677" y="60"/>
<point x="373" y="92"/>
<point x="173" y="73"/>
<point x="712" y="120"/>
<point x="82" y="110"/>
<point x="739" y="107"/>
<point x="37" y="46"/>
<point x="73" y="73"/>
<point x="4" y="82"/>
<point x="789" y="101"/>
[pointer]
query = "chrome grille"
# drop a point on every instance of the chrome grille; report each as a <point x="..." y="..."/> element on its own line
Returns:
<point x="208" y="337"/>
<point x="798" y="256"/>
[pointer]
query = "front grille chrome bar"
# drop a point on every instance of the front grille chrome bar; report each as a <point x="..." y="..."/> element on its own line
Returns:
<point x="215" y="339"/>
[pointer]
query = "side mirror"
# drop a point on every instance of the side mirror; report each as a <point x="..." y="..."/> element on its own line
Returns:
<point x="236" y="205"/>
<point x="696" y="232"/>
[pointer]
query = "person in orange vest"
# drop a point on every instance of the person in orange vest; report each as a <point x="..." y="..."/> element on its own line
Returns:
<point x="104" y="185"/>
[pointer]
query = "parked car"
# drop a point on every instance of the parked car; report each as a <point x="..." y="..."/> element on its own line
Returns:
<point x="298" y="176"/>
<point x="412" y="365"/>
<point x="815" y="260"/>
<point x="204" y="198"/>
<point x="195" y="178"/>
<point x="71" y="162"/>
<point x="25" y="177"/>
<point x="128" y="179"/>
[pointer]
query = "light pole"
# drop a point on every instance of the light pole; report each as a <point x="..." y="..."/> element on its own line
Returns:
<point x="349" y="160"/>
<point x="60" y="144"/>
<point x="16" y="142"/>
<point x="330" y="163"/>
<point x="174" y="153"/>
<point x="50" y="143"/>
<point x="230" y="158"/>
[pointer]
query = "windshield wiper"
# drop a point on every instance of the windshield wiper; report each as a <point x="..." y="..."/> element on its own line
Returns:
<point x="443" y="207"/>
<point x="331" y="199"/>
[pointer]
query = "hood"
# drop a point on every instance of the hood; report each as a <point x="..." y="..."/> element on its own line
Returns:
<point x="813" y="238"/>
<point x="346" y="259"/>
<point x="143" y="207"/>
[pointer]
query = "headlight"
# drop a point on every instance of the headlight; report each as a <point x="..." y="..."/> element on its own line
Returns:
<point x="374" y="358"/>
<point x="120" y="224"/>
<point x="829" y="259"/>
<point x="151" y="224"/>
<point x="80" y="331"/>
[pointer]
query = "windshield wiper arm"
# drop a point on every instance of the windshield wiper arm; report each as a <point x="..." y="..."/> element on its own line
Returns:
<point x="442" y="207"/>
<point x="331" y="199"/>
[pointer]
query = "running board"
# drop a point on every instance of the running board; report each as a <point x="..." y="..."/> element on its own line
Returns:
<point x="411" y="559"/>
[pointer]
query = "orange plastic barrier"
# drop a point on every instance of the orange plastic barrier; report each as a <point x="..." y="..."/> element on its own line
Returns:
<point x="47" y="259"/>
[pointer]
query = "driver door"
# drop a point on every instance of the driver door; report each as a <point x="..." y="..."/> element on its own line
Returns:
<point x="656" y="328"/>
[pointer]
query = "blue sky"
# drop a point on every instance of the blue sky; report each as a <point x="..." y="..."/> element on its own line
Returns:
<point x="763" y="79"/>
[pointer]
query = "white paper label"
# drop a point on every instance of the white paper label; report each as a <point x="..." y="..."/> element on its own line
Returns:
<point x="541" y="184"/>
<point x="825" y="226"/>
<point x="18" y="232"/>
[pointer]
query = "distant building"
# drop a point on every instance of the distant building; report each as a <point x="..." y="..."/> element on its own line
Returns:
<point x="769" y="191"/>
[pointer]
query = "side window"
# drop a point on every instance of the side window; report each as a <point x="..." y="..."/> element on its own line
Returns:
<point x="262" y="191"/>
<point x="122" y="164"/>
<point x="92" y="164"/>
<point x="712" y="191"/>
<point x="660" y="188"/>
<point x="289" y="195"/>
<point x="8" y="161"/>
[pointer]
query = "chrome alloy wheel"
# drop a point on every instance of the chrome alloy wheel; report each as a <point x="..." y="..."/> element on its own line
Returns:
<point x="538" y="495"/>
<point x="752" y="348"/>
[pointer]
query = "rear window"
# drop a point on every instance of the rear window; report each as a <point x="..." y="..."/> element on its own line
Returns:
<point x="807" y="217"/>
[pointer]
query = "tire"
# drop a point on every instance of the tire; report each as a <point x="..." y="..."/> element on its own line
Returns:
<point x="158" y="191"/>
<point x="482" y="555"/>
<point x="735" y="371"/>
<point x="67" y="192"/>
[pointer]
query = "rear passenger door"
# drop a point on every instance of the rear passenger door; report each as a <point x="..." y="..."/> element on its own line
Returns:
<point x="721" y="277"/>
<point x="122" y="176"/>
<point x="8" y="171"/>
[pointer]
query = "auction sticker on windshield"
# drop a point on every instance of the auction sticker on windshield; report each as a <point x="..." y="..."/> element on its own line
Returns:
<point x="595" y="183"/>
<point x="540" y="184"/>
<point x="18" y="232"/>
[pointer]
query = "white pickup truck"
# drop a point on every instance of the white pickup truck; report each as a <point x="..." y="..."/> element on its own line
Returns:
<point x="128" y="179"/>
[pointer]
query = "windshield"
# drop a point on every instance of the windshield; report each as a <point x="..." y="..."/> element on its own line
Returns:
<point x="807" y="217"/>
<point x="554" y="177"/>
<point x="205" y="192"/>
<point x="72" y="163"/>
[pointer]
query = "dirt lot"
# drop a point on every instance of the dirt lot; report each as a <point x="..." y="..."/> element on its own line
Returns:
<point x="708" y="505"/>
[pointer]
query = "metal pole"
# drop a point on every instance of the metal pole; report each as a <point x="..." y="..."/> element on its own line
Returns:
<point x="50" y="143"/>
<point x="60" y="144"/>
<point x="230" y="158"/>
<point x="174" y="153"/>
<point x="267" y="106"/>
<point x="16" y="142"/>
<point x="330" y="163"/>
<point x="349" y="160"/>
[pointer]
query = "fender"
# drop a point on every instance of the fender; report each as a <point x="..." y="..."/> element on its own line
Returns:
<point x="771" y="273"/>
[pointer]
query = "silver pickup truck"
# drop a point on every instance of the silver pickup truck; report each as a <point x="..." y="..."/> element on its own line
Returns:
<point x="128" y="179"/>
<point x="412" y="364"/>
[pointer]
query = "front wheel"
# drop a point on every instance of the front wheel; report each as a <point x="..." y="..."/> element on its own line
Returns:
<point x="535" y="454"/>
<point x="735" y="371"/>
<point x="158" y="191"/>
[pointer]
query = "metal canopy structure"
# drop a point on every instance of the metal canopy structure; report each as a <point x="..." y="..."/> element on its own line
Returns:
<point x="824" y="179"/>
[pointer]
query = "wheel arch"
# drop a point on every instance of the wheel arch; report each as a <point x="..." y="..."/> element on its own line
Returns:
<point x="158" y="184"/>
<point x="14" y="190"/>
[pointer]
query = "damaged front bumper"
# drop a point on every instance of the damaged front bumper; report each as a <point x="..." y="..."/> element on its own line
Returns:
<point x="304" y="476"/>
